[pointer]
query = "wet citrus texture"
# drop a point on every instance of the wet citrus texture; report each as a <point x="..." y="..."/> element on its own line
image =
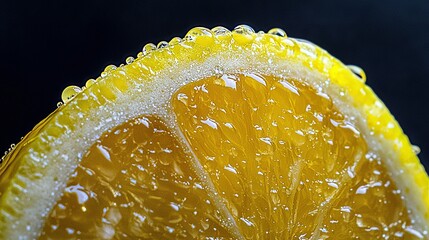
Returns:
<point x="284" y="163"/>
<point x="219" y="135"/>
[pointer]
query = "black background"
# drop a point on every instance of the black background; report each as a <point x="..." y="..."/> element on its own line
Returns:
<point x="48" y="45"/>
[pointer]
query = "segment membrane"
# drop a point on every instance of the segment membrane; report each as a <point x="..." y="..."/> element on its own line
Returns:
<point x="287" y="164"/>
<point x="135" y="182"/>
<point x="283" y="160"/>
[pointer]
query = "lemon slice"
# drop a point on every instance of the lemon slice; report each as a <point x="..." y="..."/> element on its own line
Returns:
<point x="218" y="135"/>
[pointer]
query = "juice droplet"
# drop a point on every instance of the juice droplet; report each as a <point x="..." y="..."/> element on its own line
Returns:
<point x="129" y="60"/>
<point x="244" y="29"/>
<point x="220" y="31"/>
<point x="416" y="149"/>
<point x="69" y="92"/>
<point x="278" y="32"/>
<point x="358" y="71"/>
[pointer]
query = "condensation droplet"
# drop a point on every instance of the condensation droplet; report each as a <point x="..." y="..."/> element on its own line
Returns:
<point x="358" y="71"/>
<point x="59" y="104"/>
<point x="416" y="149"/>
<point x="278" y="32"/>
<point x="220" y="31"/>
<point x="148" y="48"/>
<point x="129" y="60"/>
<point x="162" y="44"/>
<point x="244" y="29"/>
<point x="69" y="92"/>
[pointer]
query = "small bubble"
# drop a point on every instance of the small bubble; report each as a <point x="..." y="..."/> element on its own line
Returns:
<point x="139" y="55"/>
<point x="244" y="29"/>
<point x="220" y="31"/>
<point x="416" y="149"/>
<point x="59" y="104"/>
<point x="261" y="32"/>
<point x="278" y="32"/>
<point x="69" y="92"/>
<point x="129" y="60"/>
<point x="13" y="145"/>
<point x="148" y="48"/>
<point x="358" y="71"/>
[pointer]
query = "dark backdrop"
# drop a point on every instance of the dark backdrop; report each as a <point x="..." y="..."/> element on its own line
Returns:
<point x="47" y="45"/>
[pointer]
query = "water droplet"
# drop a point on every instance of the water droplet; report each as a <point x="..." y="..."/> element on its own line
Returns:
<point x="89" y="82"/>
<point x="148" y="48"/>
<point x="162" y="44"/>
<point x="261" y="32"/>
<point x="110" y="68"/>
<point x="416" y="149"/>
<point x="139" y="55"/>
<point x="59" y="104"/>
<point x="244" y="29"/>
<point x="13" y="145"/>
<point x="175" y="40"/>
<point x="107" y="70"/>
<point x="196" y="32"/>
<point x="129" y="60"/>
<point x="358" y="71"/>
<point x="69" y="92"/>
<point x="220" y="31"/>
<point x="278" y="32"/>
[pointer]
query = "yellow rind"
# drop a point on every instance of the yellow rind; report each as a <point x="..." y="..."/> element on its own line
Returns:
<point x="24" y="197"/>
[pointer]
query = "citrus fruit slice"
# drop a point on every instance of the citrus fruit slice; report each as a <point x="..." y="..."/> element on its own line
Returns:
<point x="221" y="134"/>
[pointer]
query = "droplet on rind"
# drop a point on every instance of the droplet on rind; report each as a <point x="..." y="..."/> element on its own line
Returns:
<point x="108" y="69"/>
<point x="358" y="71"/>
<point x="244" y="29"/>
<point x="416" y="149"/>
<point x="278" y="32"/>
<point x="129" y="60"/>
<point x="220" y="31"/>
<point x="196" y="32"/>
<point x="59" y="104"/>
<point x="162" y="44"/>
<point x="175" y="40"/>
<point x="69" y="92"/>
<point x="148" y="48"/>
<point x="89" y="82"/>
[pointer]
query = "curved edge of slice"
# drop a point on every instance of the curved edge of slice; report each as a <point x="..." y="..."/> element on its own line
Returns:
<point x="146" y="85"/>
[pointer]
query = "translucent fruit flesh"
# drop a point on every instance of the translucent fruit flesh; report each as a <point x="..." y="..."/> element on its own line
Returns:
<point x="283" y="161"/>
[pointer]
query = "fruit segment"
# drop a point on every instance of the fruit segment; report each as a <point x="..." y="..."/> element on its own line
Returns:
<point x="135" y="182"/>
<point x="286" y="163"/>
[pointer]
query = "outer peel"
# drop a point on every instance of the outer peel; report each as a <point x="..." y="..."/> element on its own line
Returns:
<point x="44" y="159"/>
